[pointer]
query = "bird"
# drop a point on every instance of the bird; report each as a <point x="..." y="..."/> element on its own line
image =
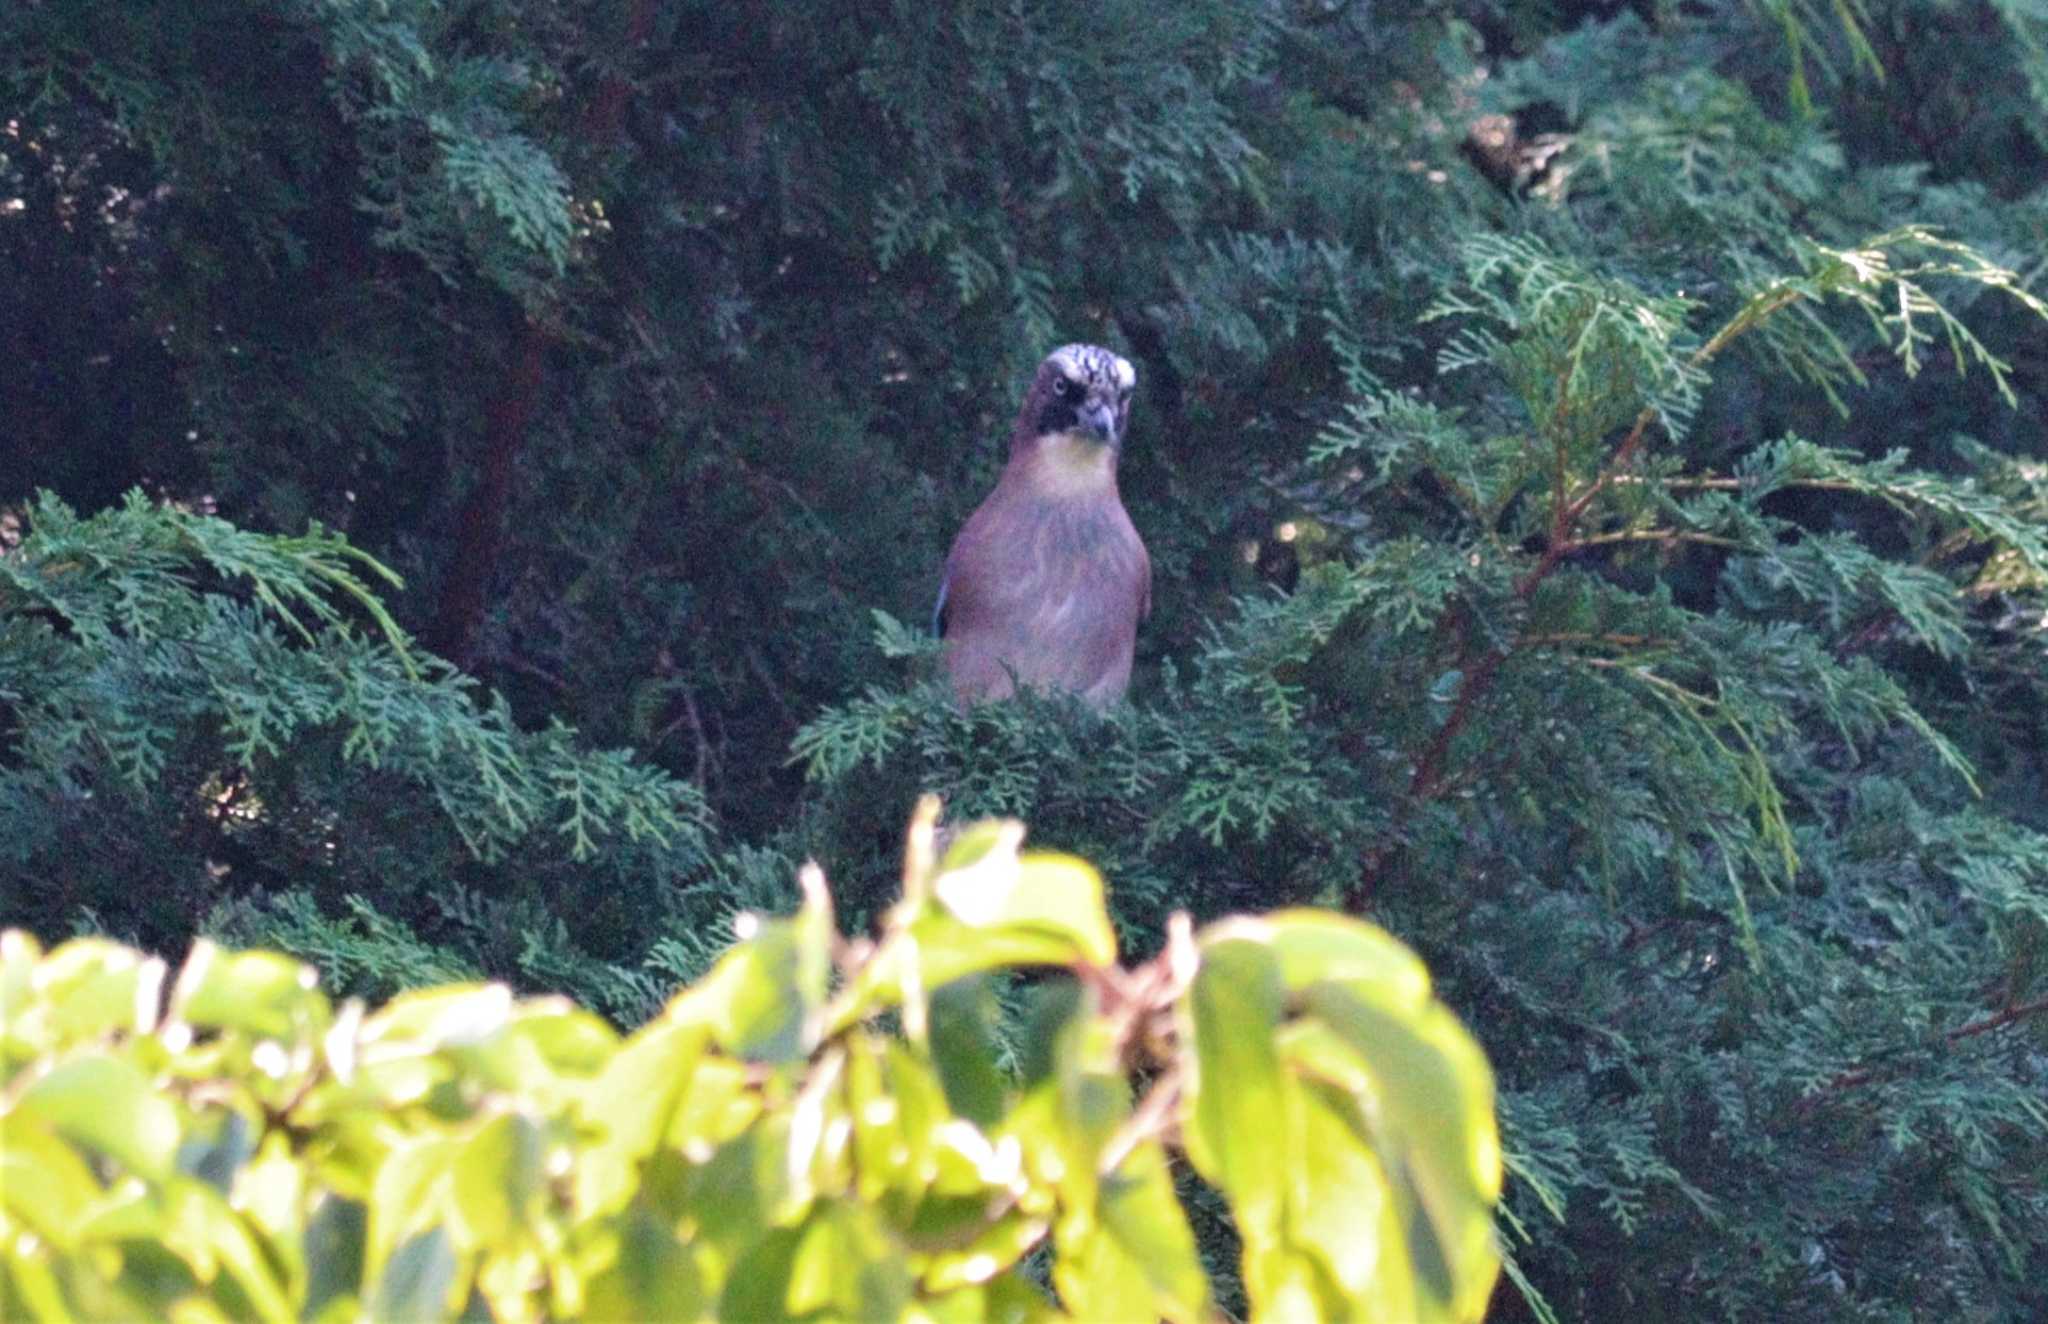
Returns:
<point x="1048" y="579"/>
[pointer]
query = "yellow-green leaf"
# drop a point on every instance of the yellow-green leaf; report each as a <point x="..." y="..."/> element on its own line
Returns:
<point x="1041" y="894"/>
<point x="43" y="1181"/>
<point x="753" y="1000"/>
<point x="1232" y="1103"/>
<point x="107" y="1105"/>
<point x="1139" y="1211"/>
<point x="651" y="1275"/>
<point x="89" y="986"/>
<point x="260" y="993"/>
<point x="1432" y="1119"/>
<point x="1314" y="946"/>
<point x="497" y="1177"/>
<point x="633" y="1099"/>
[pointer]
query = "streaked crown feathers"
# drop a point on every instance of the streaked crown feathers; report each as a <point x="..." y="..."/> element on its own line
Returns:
<point x="1095" y="367"/>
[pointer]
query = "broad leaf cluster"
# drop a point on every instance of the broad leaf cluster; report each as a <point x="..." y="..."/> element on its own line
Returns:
<point x="761" y="1150"/>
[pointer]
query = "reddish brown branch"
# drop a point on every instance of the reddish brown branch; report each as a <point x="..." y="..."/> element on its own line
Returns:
<point x="608" y="108"/>
<point x="1567" y="515"/>
<point x="1998" y="1020"/>
<point x="1856" y="1076"/>
<point x="1480" y="673"/>
<point x="480" y="528"/>
<point x="1429" y="770"/>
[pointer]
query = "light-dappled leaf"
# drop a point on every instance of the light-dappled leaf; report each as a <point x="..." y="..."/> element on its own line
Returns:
<point x="261" y="993"/>
<point x="716" y="1106"/>
<point x="1006" y="1299"/>
<point x="753" y="1000"/>
<point x="1318" y="945"/>
<point x="20" y="954"/>
<point x="208" y="1234"/>
<point x="1430" y="1110"/>
<point x="410" y="1192"/>
<point x="455" y="1015"/>
<point x="497" y="1176"/>
<point x="417" y="1283"/>
<point x="1233" y="1095"/>
<point x="86" y="987"/>
<point x="633" y="1099"/>
<point x="1343" y="1209"/>
<point x="963" y="1044"/>
<point x="1096" y="1278"/>
<point x="993" y="1247"/>
<point x="650" y="1274"/>
<point x="108" y="1106"/>
<point x="1141" y="1215"/>
<point x="845" y="1266"/>
<point x="43" y="1181"/>
<point x="834" y="1265"/>
<point x="987" y="885"/>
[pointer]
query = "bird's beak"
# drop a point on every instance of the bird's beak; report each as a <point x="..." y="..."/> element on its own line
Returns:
<point x="1100" y="420"/>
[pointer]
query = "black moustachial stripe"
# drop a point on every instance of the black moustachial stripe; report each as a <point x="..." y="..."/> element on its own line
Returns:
<point x="1057" y="416"/>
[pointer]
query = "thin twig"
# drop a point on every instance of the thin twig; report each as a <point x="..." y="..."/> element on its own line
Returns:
<point x="1151" y="1119"/>
<point x="1856" y="1076"/>
<point x="1650" y="535"/>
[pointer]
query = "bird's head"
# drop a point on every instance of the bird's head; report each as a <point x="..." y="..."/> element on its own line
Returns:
<point x="1082" y="394"/>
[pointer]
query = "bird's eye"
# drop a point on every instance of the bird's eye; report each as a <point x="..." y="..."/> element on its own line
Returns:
<point x="1065" y="386"/>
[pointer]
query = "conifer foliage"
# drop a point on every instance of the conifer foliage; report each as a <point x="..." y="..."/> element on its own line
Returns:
<point x="1592" y="455"/>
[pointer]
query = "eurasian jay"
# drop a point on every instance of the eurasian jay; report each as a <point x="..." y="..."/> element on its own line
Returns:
<point x="1048" y="580"/>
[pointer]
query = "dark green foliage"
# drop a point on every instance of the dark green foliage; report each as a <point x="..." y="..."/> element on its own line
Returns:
<point x="195" y="729"/>
<point x="1618" y="566"/>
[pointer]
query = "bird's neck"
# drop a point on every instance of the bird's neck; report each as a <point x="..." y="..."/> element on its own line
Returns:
<point x="1065" y="464"/>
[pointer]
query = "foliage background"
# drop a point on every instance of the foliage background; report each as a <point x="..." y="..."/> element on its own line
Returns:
<point x="1679" y="696"/>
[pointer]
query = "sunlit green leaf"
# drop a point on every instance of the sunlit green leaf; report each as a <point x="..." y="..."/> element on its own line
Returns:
<point x="43" y="1181"/>
<point x="261" y="993"/>
<point x="1037" y="895"/>
<point x="963" y="1044"/>
<point x="1235" y="1127"/>
<point x="1343" y="1208"/>
<point x="845" y="1267"/>
<point x="454" y="1015"/>
<point x="753" y="1000"/>
<point x="417" y="1283"/>
<point x="633" y="1099"/>
<point x="1317" y="945"/>
<point x="88" y="986"/>
<point x="1006" y="1299"/>
<point x="411" y="1191"/>
<point x="107" y="1105"/>
<point x="1141" y="1215"/>
<point x="651" y="1275"/>
<point x="1430" y="1111"/>
<point x="497" y="1175"/>
<point x="208" y="1234"/>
